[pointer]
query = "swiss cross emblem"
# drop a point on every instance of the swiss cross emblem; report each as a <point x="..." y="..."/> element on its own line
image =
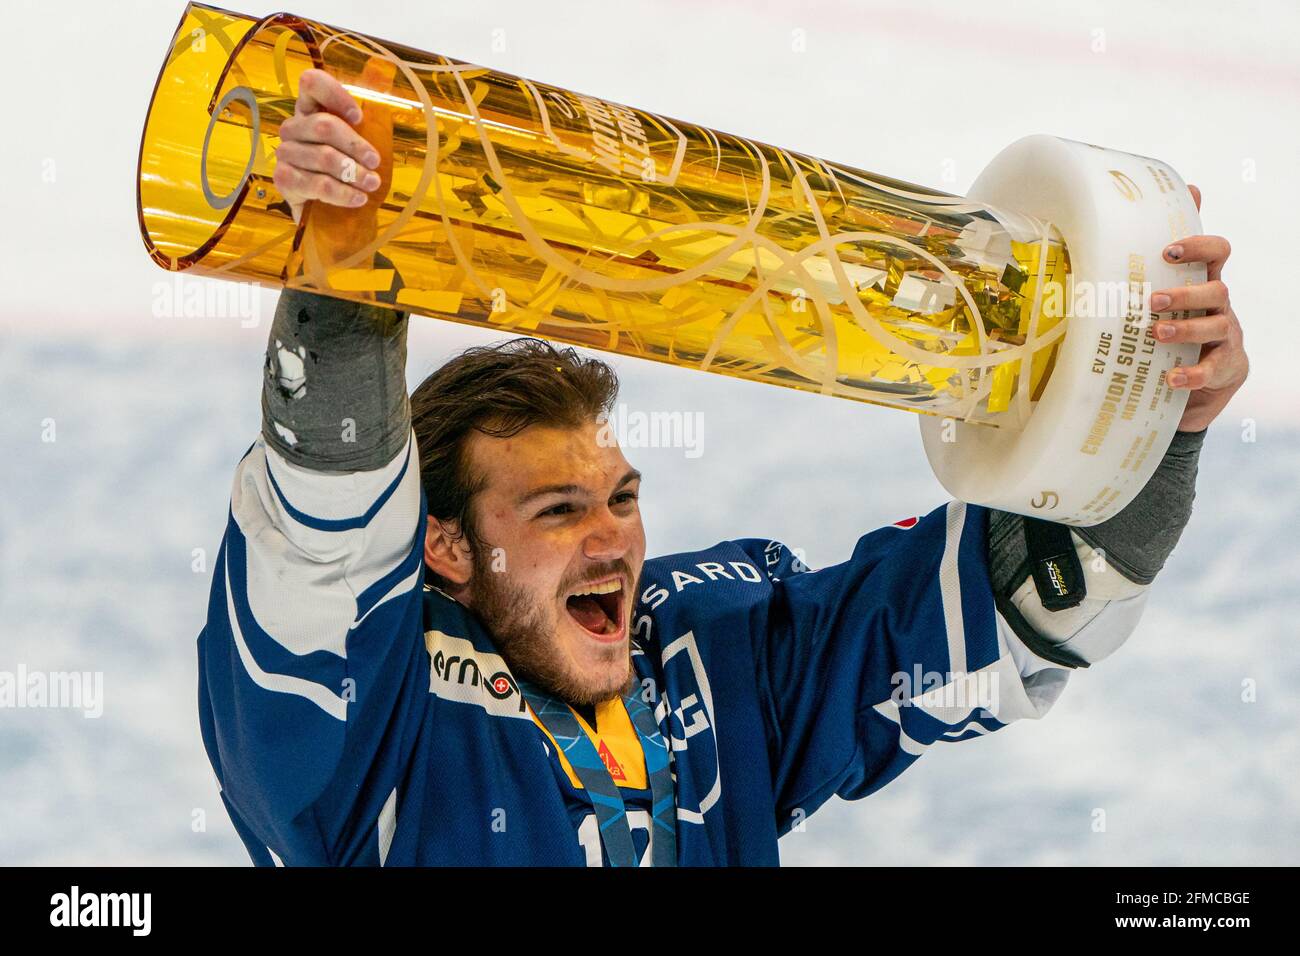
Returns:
<point x="612" y="765"/>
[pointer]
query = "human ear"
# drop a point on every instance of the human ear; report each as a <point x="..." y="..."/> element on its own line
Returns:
<point x="446" y="551"/>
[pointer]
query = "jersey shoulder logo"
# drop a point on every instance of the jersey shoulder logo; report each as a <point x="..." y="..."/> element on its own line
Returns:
<point x="460" y="671"/>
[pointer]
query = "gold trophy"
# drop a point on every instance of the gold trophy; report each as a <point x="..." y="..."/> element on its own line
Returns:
<point x="1014" y="319"/>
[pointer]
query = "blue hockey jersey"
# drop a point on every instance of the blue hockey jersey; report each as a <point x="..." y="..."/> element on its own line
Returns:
<point x="355" y="716"/>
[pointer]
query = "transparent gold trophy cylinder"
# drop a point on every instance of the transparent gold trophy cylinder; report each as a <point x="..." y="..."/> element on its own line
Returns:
<point x="515" y="205"/>
<point x="512" y="204"/>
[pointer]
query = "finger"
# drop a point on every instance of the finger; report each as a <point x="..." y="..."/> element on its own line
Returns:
<point x="1212" y="250"/>
<point x="1190" y="377"/>
<point x="318" y="91"/>
<point x="291" y="180"/>
<point x="316" y="157"/>
<point x="1214" y="370"/>
<point x="1203" y="331"/>
<point x="1196" y="195"/>
<point x="328" y="129"/>
<point x="1211" y="296"/>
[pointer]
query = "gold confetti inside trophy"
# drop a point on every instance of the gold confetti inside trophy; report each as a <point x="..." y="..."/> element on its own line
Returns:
<point x="1015" y="319"/>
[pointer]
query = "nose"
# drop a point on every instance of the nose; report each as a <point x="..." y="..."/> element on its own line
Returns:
<point x="608" y="538"/>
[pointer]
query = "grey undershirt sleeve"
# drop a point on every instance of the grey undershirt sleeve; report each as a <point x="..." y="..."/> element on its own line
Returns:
<point x="1139" y="539"/>
<point x="1136" y="542"/>
<point x="334" y="384"/>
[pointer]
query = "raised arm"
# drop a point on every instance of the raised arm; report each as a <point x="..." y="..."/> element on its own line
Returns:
<point x="855" y="670"/>
<point x="1018" y="606"/>
<point x="980" y="593"/>
<point x="310" y="660"/>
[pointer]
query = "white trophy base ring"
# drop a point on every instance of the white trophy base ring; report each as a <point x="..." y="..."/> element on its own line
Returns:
<point x="1106" y="415"/>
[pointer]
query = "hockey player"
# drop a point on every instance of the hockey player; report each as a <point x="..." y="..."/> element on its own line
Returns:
<point x="435" y="638"/>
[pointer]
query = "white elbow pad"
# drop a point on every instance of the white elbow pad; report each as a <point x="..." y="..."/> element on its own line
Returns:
<point x="1095" y="627"/>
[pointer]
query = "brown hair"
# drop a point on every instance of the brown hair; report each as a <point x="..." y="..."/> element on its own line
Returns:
<point x="498" y="390"/>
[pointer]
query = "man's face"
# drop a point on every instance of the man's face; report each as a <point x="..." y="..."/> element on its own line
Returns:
<point x="560" y="550"/>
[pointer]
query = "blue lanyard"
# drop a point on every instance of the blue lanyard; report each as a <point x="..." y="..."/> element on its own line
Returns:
<point x="611" y="815"/>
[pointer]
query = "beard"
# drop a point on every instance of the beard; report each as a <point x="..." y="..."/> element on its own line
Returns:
<point x="526" y="633"/>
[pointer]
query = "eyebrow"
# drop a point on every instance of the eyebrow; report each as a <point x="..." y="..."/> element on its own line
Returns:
<point x="632" y="475"/>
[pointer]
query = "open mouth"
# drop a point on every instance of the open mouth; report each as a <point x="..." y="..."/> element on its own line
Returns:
<point x="598" y="607"/>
